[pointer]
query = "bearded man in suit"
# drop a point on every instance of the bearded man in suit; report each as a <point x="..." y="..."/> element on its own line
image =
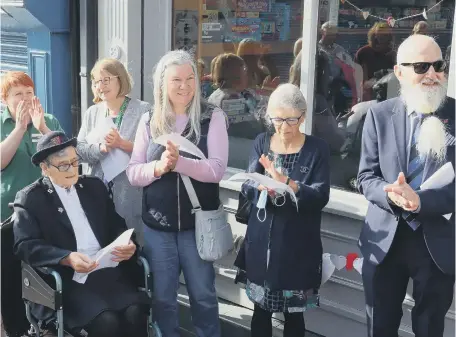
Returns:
<point x="409" y="232"/>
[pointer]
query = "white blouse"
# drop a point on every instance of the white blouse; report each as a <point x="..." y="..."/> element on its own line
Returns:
<point x="86" y="241"/>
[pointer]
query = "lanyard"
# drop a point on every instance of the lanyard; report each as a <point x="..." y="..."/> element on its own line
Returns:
<point x="120" y="116"/>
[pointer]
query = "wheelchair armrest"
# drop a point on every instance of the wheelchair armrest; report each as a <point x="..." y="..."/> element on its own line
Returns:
<point x="45" y="270"/>
<point x="147" y="275"/>
<point x="36" y="290"/>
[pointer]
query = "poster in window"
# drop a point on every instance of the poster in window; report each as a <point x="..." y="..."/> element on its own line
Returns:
<point x="186" y="30"/>
<point x="219" y="4"/>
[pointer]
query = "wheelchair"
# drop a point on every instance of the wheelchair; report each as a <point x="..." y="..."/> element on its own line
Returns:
<point x="21" y="284"/>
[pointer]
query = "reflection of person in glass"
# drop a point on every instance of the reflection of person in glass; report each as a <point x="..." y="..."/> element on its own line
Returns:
<point x="281" y="257"/>
<point x="233" y="97"/>
<point x="324" y="123"/>
<point x="377" y="55"/>
<point x="421" y="27"/>
<point x="409" y="231"/>
<point x="260" y="69"/>
<point x="342" y="69"/>
<point x="297" y="47"/>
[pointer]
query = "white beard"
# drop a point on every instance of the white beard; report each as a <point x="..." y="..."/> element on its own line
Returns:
<point x="431" y="139"/>
<point x="424" y="99"/>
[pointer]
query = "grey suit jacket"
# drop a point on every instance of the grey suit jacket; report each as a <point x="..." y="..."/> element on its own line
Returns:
<point x="127" y="199"/>
<point x="383" y="155"/>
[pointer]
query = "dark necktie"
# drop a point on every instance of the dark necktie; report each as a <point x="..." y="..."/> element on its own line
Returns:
<point x="415" y="167"/>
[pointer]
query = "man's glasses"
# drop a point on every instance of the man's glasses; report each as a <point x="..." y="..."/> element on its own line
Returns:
<point x="66" y="167"/>
<point x="423" y="67"/>
<point x="291" y="121"/>
<point x="105" y="81"/>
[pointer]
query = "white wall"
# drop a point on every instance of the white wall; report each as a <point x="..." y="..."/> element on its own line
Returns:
<point x="119" y="35"/>
<point x="157" y="38"/>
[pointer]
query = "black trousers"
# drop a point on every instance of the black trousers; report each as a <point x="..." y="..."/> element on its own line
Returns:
<point x="131" y="322"/>
<point x="261" y="325"/>
<point x="385" y="287"/>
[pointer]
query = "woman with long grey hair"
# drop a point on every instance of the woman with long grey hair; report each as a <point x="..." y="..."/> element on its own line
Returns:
<point x="169" y="231"/>
<point x="281" y="257"/>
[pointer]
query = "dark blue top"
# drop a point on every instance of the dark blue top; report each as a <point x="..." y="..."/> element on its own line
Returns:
<point x="295" y="244"/>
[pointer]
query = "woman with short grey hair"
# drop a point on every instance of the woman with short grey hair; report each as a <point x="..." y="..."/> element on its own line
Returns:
<point x="111" y="86"/>
<point x="169" y="231"/>
<point x="281" y="257"/>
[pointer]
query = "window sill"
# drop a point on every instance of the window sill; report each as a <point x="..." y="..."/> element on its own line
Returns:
<point x="343" y="203"/>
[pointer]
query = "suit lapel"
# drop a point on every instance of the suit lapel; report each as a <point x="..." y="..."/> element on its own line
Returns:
<point x="56" y="203"/>
<point x="399" y="126"/>
<point x="89" y="206"/>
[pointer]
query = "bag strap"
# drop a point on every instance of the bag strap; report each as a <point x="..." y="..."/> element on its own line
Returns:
<point x="191" y="193"/>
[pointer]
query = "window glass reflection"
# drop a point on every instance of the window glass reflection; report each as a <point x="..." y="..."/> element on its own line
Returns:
<point x="245" y="49"/>
<point x="356" y="54"/>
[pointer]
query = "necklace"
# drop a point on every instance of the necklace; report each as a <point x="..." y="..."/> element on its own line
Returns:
<point x="120" y="116"/>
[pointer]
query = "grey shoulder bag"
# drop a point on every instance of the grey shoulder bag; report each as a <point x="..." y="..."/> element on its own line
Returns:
<point x="213" y="235"/>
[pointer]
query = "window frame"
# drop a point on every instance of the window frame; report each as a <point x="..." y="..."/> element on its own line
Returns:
<point x="343" y="203"/>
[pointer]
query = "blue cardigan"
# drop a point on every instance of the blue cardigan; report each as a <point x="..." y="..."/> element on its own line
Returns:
<point x="296" y="249"/>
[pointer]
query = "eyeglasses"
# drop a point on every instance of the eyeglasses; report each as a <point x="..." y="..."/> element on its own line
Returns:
<point x="421" y="68"/>
<point x="66" y="167"/>
<point x="105" y="81"/>
<point x="291" y="121"/>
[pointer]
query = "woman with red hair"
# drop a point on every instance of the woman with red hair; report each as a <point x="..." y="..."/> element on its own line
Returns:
<point x="23" y="121"/>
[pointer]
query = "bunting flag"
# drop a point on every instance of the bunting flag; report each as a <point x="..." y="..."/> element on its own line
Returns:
<point x="333" y="262"/>
<point x="390" y="20"/>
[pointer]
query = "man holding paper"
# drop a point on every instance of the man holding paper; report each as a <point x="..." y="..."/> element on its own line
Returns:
<point x="63" y="221"/>
<point x="407" y="174"/>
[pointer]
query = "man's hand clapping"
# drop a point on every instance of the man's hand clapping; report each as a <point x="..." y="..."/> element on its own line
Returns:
<point x="402" y="195"/>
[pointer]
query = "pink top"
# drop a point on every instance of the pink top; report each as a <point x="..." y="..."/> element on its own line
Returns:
<point x="211" y="170"/>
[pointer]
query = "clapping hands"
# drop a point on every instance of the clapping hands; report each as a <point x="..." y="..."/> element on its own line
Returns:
<point x="402" y="195"/>
<point x="272" y="171"/>
<point x="168" y="159"/>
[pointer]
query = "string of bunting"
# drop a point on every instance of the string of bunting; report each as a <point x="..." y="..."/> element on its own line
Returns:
<point x="333" y="262"/>
<point x="390" y="20"/>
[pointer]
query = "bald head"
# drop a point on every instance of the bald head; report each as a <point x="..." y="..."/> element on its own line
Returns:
<point x="418" y="48"/>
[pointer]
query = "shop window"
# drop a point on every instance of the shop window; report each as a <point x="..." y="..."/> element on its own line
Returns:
<point x="356" y="53"/>
<point x="244" y="50"/>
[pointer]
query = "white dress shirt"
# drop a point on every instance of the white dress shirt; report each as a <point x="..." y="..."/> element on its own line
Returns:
<point x="86" y="241"/>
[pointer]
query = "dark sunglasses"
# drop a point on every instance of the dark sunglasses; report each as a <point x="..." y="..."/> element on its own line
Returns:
<point x="423" y="67"/>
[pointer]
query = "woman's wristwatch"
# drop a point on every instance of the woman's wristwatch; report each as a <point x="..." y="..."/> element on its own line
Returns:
<point x="288" y="181"/>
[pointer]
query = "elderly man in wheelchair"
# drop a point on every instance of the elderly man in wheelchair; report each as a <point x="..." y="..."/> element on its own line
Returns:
<point x="61" y="221"/>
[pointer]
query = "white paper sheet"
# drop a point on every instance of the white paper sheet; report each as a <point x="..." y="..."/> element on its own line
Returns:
<point x="184" y="144"/>
<point x="114" y="163"/>
<point x="440" y="178"/>
<point x="104" y="256"/>
<point x="98" y="134"/>
<point x="268" y="182"/>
